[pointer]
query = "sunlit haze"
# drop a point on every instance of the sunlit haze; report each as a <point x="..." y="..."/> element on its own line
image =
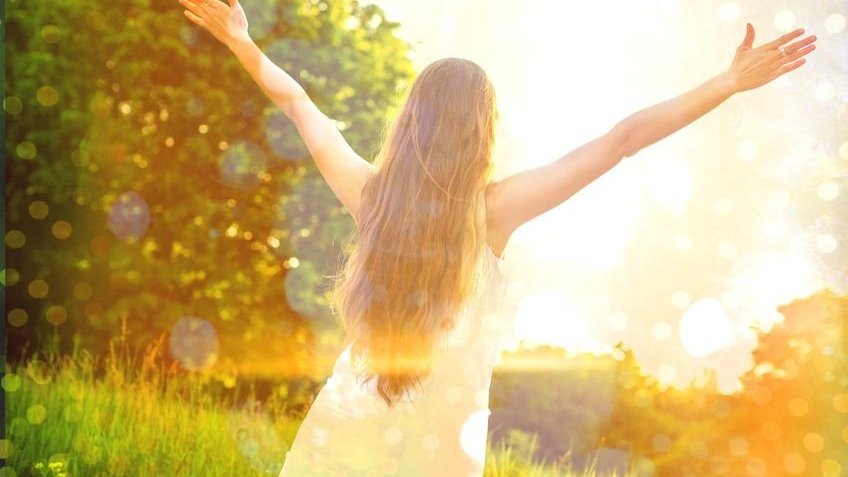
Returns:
<point x="682" y="250"/>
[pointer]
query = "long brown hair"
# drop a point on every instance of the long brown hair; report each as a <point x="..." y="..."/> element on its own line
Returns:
<point x="421" y="227"/>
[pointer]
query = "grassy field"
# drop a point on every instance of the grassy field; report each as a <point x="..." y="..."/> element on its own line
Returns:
<point x="81" y="416"/>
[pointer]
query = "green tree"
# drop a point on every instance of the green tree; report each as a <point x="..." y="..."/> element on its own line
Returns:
<point x="152" y="180"/>
<point x="792" y="413"/>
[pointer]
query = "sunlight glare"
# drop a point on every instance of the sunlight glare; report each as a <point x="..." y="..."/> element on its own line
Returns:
<point x="546" y="317"/>
<point x="770" y="279"/>
<point x="668" y="182"/>
<point x="705" y="328"/>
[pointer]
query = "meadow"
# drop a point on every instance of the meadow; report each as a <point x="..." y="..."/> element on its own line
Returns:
<point x="125" y="414"/>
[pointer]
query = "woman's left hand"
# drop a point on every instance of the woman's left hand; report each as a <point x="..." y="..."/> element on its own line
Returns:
<point x="227" y="23"/>
<point x="755" y="66"/>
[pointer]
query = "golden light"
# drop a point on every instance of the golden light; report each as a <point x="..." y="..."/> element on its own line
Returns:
<point x="547" y="317"/>
<point x="705" y="328"/>
<point x="668" y="182"/>
<point x="770" y="278"/>
<point x="551" y="107"/>
<point x="746" y="150"/>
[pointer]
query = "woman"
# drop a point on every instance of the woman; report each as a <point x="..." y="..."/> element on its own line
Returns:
<point x="418" y="294"/>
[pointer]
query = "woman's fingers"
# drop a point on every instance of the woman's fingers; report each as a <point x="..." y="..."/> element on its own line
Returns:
<point x="192" y="6"/>
<point x="791" y="62"/>
<point x="785" y="68"/>
<point x="797" y="54"/>
<point x="194" y="18"/>
<point x="783" y="39"/>
<point x="800" y="44"/>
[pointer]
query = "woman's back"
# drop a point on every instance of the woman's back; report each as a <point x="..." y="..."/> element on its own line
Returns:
<point x="440" y="429"/>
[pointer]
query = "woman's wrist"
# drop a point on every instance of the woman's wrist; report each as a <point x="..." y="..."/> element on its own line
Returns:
<point x="238" y="42"/>
<point x="726" y="81"/>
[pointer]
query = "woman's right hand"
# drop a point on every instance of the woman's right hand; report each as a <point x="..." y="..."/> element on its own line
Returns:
<point x="754" y="67"/>
<point x="226" y="22"/>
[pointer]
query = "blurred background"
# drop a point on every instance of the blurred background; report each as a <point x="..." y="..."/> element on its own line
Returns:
<point x="167" y="235"/>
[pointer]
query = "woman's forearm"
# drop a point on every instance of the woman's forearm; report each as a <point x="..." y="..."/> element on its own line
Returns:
<point x="276" y="83"/>
<point x="653" y="123"/>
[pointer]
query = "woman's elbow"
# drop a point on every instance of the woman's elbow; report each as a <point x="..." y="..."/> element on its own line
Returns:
<point x="625" y="142"/>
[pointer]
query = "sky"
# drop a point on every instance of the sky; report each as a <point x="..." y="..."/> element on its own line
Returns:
<point x="716" y="263"/>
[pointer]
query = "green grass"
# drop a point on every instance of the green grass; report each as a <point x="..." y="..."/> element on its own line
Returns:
<point x="80" y="416"/>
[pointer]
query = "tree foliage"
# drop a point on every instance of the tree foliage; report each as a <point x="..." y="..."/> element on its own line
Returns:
<point x="172" y="186"/>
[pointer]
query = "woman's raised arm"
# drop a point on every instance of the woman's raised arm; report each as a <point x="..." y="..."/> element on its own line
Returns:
<point x="527" y="194"/>
<point x="344" y="170"/>
<point x="751" y="68"/>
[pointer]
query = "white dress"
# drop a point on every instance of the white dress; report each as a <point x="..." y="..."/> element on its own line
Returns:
<point x="440" y="431"/>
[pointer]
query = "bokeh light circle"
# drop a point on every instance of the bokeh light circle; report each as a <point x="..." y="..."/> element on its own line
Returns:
<point x="38" y="288"/>
<point x="242" y="165"/>
<point x="253" y="431"/>
<point x="667" y="373"/>
<point x="38" y="209"/>
<point x="645" y="467"/>
<point x="283" y="137"/>
<point x="305" y="295"/>
<point x="10" y="276"/>
<point x="47" y="96"/>
<point x="699" y="449"/>
<point x="431" y="442"/>
<point x="83" y="291"/>
<point x="61" y="229"/>
<point x="784" y="20"/>
<point x="680" y="299"/>
<point x="56" y="315"/>
<point x="738" y="446"/>
<point x="798" y="407"/>
<point x="794" y="463"/>
<point x="11" y="382"/>
<point x="831" y="468"/>
<point x="661" y="330"/>
<point x="475" y="426"/>
<point x="129" y="216"/>
<point x="393" y="435"/>
<point x="828" y="191"/>
<point x="813" y="442"/>
<point x="661" y="442"/>
<point x="36" y="414"/>
<point x="73" y="412"/>
<point x="840" y="403"/>
<point x="756" y="467"/>
<point x="15" y="239"/>
<point x="13" y="105"/>
<point x="834" y="23"/>
<point x="26" y="150"/>
<point x="51" y="33"/>
<point x="729" y="12"/>
<point x="194" y="343"/>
